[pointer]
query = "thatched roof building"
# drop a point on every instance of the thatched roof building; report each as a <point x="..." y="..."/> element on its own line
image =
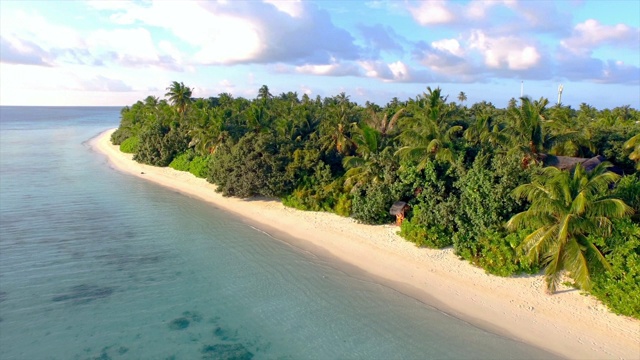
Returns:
<point x="398" y="209"/>
<point x="568" y="162"/>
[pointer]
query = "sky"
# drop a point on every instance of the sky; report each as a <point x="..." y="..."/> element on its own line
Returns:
<point x="114" y="53"/>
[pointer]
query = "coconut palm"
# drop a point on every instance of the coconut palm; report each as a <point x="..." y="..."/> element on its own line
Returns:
<point x="462" y="97"/>
<point x="565" y="208"/>
<point x="179" y="96"/>
<point x="525" y="125"/>
<point x="428" y="132"/>
<point x="366" y="166"/>
<point x="484" y="127"/>
<point x="335" y="129"/>
<point x="633" y="144"/>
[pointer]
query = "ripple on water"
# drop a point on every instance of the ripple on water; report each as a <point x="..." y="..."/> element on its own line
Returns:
<point x="82" y="294"/>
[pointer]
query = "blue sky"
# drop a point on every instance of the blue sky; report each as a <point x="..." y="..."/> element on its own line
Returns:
<point x="115" y="53"/>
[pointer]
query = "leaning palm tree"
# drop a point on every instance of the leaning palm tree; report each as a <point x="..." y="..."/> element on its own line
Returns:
<point x="634" y="145"/>
<point x="565" y="208"/>
<point x="179" y="96"/>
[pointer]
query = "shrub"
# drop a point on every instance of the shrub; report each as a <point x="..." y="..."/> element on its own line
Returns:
<point x="199" y="166"/>
<point x="159" y="145"/>
<point x="371" y="205"/>
<point x="253" y="166"/>
<point x="498" y="254"/>
<point x="182" y="161"/>
<point x="619" y="288"/>
<point x="121" y="134"/>
<point x="130" y="145"/>
<point x="485" y="200"/>
<point x="436" y="237"/>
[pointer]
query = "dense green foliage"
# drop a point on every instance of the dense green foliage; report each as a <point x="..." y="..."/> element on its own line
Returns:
<point x="457" y="167"/>
<point x="565" y="208"/>
<point x="619" y="288"/>
<point x="130" y="145"/>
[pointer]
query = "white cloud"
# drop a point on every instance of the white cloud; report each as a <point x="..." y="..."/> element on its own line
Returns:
<point x="397" y="71"/>
<point x="101" y="83"/>
<point x="334" y="69"/>
<point x="220" y="47"/>
<point x="449" y="45"/>
<point x="432" y="12"/>
<point x="591" y="34"/>
<point x="37" y="29"/>
<point x="291" y="7"/>
<point x="127" y="46"/>
<point x="508" y="52"/>
<point x="245" y="32"/>
<point x="478" y="9"/>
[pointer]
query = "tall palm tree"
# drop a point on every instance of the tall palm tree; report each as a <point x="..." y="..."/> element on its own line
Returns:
<point x="179" y="96"/>
<point x="429" y="132"/>
<point x="565" y="208"/>
<point x="525" y="125"/>
<point x="335" y="128"/>
<point x="462" y="97"/>
<point x="484" y="127"/>
<point x="634" y="145"/>
<point x="366" y="166"/>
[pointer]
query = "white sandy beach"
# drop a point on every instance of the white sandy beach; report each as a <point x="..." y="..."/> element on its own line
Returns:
<point x="567" y="323"/>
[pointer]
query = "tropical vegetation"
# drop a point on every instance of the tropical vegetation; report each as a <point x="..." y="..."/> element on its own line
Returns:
<point x="475" y="177"/>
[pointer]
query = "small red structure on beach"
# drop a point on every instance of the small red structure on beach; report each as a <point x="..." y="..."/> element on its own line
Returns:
<point x="398" y="209"/>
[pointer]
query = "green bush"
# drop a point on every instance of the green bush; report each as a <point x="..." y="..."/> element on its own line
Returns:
<point x="371" y="205"/>
<point x="159" y="145"/>
<point x="190" y="162"/>
<point x="498" y="254"/>
<point x="343" y="205"/>
<point x="436" y="237"/>
<point x="199" y="166"/>
<point x="182" y="161"/>
<point x="130" y="145"/>
<point x="619" y="288"/>
<point x="485" y="200"/>
<point x="121" y="134"/>
<point x="253" y="166"/>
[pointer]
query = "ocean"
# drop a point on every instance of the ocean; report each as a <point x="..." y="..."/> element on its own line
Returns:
<point x="96" y="264"/>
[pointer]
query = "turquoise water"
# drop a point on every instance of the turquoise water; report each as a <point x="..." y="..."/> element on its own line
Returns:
<point x="98" y="264"/>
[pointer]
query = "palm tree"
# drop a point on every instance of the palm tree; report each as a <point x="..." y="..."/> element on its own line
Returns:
<point x="335" y="128"/>
<point x="179" y="96"/>
<point x="634" y="145"/>
<point x="462" y="97"/>
<point x="429" y="131"/>
<point x="526" y="124"/>
<point x="207" y="131"/>
<point x="565" y="208"/>
<point x="366" y="166"/>
<point x="484" y="128"/>
<point x="381" y="122"/>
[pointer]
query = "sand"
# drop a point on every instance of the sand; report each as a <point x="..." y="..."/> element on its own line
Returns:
<point x="567" y="323"/>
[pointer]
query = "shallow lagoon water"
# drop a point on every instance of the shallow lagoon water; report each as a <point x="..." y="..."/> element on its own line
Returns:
<point x="98" y="264"/>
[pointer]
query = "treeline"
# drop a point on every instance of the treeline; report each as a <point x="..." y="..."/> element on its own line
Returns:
<point x="474" y="177"/>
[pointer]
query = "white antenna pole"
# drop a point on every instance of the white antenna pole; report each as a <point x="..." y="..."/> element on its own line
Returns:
<point x="521" y="88"/>
<point x="560" y="88"/>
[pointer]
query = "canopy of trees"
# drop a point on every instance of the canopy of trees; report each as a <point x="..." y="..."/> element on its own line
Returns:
<point x="466" y="172"/>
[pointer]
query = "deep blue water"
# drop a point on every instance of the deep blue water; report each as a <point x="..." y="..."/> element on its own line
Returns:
<point x="99" y="264"/>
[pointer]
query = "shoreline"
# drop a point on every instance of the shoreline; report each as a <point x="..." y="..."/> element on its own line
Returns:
<point x="567" y="324"/>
